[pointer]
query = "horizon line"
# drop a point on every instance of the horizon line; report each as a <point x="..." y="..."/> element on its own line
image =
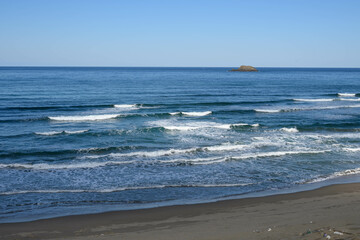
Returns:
<point x="93" y="66"/>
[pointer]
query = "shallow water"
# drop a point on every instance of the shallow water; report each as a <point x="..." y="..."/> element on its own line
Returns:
<point x="78" y="140"/>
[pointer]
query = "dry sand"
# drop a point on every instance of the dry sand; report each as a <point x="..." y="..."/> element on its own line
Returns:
<point x="332" y="210"/>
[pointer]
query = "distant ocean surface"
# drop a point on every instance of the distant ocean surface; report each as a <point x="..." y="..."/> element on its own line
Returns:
<point x="82" y="140"/>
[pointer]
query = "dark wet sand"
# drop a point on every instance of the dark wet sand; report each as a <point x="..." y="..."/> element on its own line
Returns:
<point x="332" y="210"/>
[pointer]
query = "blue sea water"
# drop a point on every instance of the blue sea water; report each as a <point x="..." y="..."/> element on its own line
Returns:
<point x="81" y="140"/>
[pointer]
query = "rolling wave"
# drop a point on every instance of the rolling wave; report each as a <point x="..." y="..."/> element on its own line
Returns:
<point x="305" y="109"/>
<point x="202" y="125"/>
<point x="60" y="132"/>
<point x="125" y="188"/>
<point x="335" y="175"/>
<point x="347" y="94"/>
<point x="350" y="99"/>
<point x="253" y="155"/>
<point x="268" y="110"/>
<point x="66" y="108"/>
<point x="314" y="100"/>
<point x="85" y="118"/>
<point x="193" y="161"/>
<point x="193" y="114"/>
<point x="160" y="153"/>
<point x="127" y="106"/>
<point x="290" y="130"/>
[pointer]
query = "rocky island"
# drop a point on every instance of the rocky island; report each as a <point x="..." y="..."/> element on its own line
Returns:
<point x="244" y="68"/>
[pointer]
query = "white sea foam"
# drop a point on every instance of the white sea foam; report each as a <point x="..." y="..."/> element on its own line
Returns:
<point x="336" y="175"/>
<point x="305" y="109"/>
<point x="120" y="189"/>
<point x="175" y="113"/>
<point x="181" y="128"/>
<point x="229" y="126"/>
<point x="268" y="110"/>
<point x="276" y="154"/>
<point x="126" y="106"/>
<point x="290" y="130"/>
<point x="45" y="166"/>
<point x="314" y="100"/>
<point x="160" y="153"/>
<point x="200" y="125"/>
<point x="60" y="132"/>
<point x="196" y="114"/>
<point x="205" y="161"/>
<point x="85" y="118"/>
<point x="48" y="133"/>
<point x="351" y="149"/>
<point x="350" y="99"/>
<point x="346" y="94"/>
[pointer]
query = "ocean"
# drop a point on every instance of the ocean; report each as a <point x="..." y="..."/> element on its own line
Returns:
<point x="84" y="140"/>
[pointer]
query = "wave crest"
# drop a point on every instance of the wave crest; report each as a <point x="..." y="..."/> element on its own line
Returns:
<point x="85" y="118"/>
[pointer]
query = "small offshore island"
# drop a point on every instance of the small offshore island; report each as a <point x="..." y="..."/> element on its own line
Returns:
<point x="244" y="68"/>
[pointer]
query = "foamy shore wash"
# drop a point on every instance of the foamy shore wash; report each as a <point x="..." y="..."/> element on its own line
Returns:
<point x="130" y="152"/>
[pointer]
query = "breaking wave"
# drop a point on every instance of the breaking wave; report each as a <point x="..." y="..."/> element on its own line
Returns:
<point x="60" y="132"/>
<point x="85" y="118"/>
<point x="314" y="100"/>
<point x="335" y="175"/>
<point x="347" y="94"/>
<point x="193" y="114"/>
<point x="125" y="188"/>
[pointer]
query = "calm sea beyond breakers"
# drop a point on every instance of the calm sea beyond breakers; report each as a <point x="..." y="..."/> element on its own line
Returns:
<point x="85" y="140"/>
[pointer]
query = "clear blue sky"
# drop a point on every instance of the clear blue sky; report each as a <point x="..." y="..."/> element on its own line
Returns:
<point x="299" y="33"/>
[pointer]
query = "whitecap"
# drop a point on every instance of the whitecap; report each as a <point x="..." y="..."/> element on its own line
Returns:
<point x="85" y="118"/>
<point x="160" y="153"/>
<point x="349" y="99"/>
<point x="180" y="128"/>
<point x="306" y="109"/>
<point x="196" y="114"/>
<point x="60" y="132"/>
<point x="290" y="130"/>
<point x="126" y="106"/>
<point x="48" y="133"/>
<point x="175" y="113"/>
<point x="347" y="94"/>
<point x="351" y="149"/>
<point x="314" y="100"/>
<point x="267" y="110"/>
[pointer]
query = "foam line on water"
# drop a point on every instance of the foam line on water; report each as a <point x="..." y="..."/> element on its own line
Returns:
<point x="351" y="149"/>
<point x="200" y="125"/>
<point x="314" y="100"/>
<point x="268" y="110"/>
<point x="347" y="94"/>
<point x="290" y="130"/>
<point x="305" y="109"/>
<point x="51" y="133"/>
<point x="335" y="175"/>
<point x="160" y="153"/>
<point x="45" y="166"/>
<point x="350" y="99"/>
<point x="192" y="114"/>
<point x="258" y="155"/>
<point x="126" y="106"/>
<point x="125" y="188"/>
<point x="85" y="118"/>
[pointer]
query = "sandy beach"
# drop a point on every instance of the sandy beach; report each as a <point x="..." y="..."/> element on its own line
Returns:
<point x="332" y="211"/>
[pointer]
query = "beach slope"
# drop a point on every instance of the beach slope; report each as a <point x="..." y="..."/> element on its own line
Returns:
<point x="329" y="211"/>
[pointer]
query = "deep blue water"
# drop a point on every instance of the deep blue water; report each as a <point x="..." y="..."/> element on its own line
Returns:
<point x="78" y="140"/>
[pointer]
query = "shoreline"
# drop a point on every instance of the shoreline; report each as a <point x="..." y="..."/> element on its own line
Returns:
<point x="289" y="216"/>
